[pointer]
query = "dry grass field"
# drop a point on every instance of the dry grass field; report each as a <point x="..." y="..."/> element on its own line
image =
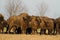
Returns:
<point x="28" y="37"/>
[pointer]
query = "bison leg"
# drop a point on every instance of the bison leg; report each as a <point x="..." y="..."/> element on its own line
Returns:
<point x="10" y="30"/>
<point x="54" y="31"/>
<point x="50" y="31"/>
<point x="28" y="30"/>
<point x="23" y="31"/>
<point x="14" y="29"/>
<point x="2" y="30"/>
<point x="19" y="31"/>
<point x="7" y="28"/>
<point x="43" y="31"/>
<point x="58" y="31"/>
<point x="33" y="31"/>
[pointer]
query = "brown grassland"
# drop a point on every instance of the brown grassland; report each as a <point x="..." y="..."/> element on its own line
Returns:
<point x="28" y="37"/>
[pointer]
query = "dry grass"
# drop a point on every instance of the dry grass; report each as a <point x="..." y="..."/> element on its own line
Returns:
<point x="28" y="37"/>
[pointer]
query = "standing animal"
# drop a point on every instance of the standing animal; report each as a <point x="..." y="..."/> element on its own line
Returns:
<point x="11" y="22"/>
<point x="1" y="22"/>
<point x="24" y="20"/>
<point x="42" y="25"/>
<point x="54" y="28"/>
<point x="58" y="25"/>
<point x="46" y="24"/>
<point x="5" y="26"/>
<point x="34" y="24"/>
<point x="20" y="20"/>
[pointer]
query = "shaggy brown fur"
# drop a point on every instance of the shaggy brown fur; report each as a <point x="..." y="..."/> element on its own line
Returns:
<point x="11" y="22"/>
<point x="1" y="22"/>
<point x="34" y="23"/>
<point x="58" y="25"/>
<point x="20" y="21"/>
<point x="47" y="23"/>
<point x="1" y="17"/>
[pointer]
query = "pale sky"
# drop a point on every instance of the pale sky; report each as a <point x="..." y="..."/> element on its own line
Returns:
<point x="53" y="10"/>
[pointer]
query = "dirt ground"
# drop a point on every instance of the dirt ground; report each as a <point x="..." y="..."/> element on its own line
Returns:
<point x="28" y="37"/>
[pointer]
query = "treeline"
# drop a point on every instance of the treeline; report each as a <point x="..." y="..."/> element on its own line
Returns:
<point x="26" y="24"/>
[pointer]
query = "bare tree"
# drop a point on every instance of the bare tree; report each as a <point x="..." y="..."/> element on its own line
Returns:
<point x="42" y="8"/>
<point x="15" y="7"/>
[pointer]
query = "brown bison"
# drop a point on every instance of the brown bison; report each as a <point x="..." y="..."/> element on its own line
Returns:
<point x="46" y="24"/>
<point x="58" y="25"/>
<point x="3" y="24"/>
<point x="24" y="20"/>
<point x="34" y="23"/>
<point x="54" y="28"/>
<point x="11" y="22"/>
<point x="42" y="25"/>
<point x="20" y="21"/>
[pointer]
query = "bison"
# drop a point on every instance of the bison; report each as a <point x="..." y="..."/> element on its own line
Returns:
<point x="11" y="22"/>
<point x="46" y="24"/>
<point x="3" y="23"/>
<point x="34" y="23"/>
<point x="42" y="25"/>
<point x="4" y="26"/>
<point x="20" y="21"/>
<point x="58" y="25"/>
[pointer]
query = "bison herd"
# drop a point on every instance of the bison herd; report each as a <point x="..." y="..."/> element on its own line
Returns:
<point x="26" y="24"/>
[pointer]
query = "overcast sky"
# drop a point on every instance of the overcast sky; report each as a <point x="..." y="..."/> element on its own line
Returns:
<point x="52" y="11"/>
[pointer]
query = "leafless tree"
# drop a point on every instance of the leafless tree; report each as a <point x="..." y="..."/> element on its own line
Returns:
<point x="42" y="8"/>
<point x="15" y="7"/>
